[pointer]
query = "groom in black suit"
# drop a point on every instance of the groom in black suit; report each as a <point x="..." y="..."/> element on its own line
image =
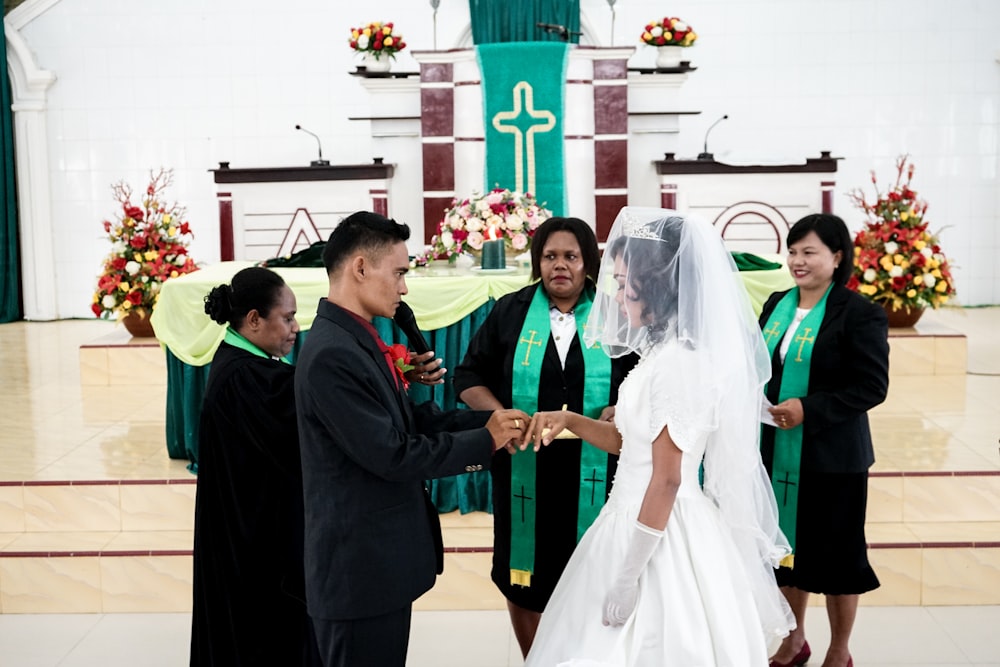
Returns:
<point x="373" y="539"/>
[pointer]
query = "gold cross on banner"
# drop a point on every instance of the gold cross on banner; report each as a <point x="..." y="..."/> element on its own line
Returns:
<point x="524" y="142"/>
<point x="530" y="342"/>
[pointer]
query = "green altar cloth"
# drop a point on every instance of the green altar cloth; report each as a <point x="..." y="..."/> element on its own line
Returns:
<point x="450" y="304"/>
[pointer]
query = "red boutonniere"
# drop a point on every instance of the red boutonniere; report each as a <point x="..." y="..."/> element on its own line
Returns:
<point x="401" y="362"/>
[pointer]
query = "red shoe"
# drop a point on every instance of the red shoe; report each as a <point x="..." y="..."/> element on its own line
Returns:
<point x="800" y="658"/>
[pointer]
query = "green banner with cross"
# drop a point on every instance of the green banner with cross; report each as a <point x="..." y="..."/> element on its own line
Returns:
<point x="523" y="86"/>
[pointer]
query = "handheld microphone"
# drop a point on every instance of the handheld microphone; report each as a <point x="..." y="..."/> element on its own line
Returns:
<point x="560" y="30"/>
<point x="320" y="162"/>
<point x="705" y="155"/>
<point x="407" y="323"/>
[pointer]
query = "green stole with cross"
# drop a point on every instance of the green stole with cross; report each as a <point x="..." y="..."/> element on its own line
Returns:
<point x="785" y="469"/>
<point x="526" y="375"/>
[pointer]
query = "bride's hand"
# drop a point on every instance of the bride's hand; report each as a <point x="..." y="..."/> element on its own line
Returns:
<point x="544" y="428"/>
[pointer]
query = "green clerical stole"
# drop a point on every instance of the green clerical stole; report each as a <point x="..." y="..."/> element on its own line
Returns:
<point x="794" y="384"/>
<point x="593" y="462"/>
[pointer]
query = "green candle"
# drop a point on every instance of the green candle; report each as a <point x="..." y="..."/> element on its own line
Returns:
<point x="493" y="255"/>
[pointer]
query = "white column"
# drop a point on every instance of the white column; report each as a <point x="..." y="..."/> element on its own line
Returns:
<point x="29" y="86"/>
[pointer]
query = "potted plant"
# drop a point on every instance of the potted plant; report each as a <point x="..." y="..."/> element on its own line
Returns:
<point x="898" y="262"/>
<point x="670" y="36"/>
<point x="378" y="43"/>
<point x="500" y="214"/>
<point x="149" y="241"/>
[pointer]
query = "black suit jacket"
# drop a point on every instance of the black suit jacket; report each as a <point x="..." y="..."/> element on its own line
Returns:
<point x="848" y="375"/>
<point x="372" y="538"/>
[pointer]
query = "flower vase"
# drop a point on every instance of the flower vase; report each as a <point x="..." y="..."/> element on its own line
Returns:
<point x="902" y="318"/>
<point x="669" y="56"/>
<point x="376" y="64"/>
<point x="137" y="323"/>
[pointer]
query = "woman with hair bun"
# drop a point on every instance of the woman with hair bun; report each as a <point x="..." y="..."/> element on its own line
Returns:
<point x="249" y="604"/>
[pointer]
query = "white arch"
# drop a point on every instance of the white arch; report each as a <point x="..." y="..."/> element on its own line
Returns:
<point x="29" y="91"/>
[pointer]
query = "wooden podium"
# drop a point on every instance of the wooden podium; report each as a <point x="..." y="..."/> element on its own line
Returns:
<point x="273" y="211"/>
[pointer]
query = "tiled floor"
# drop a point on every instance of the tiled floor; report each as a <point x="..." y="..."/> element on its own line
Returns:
<point x="51" y="428"/>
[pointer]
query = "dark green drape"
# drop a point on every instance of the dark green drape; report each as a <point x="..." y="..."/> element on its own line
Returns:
<point x="10" y="283"/>
<point x="516" y="20"/>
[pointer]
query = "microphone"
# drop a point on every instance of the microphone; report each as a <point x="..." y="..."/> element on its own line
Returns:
<point x="705" y="155"/>
<point x="320" y="162"/>
<point x="407" y="323"/>
<point x="560" y="30"/>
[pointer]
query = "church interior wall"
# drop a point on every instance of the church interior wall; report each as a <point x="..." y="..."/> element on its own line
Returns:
<point x="190" y="83"/>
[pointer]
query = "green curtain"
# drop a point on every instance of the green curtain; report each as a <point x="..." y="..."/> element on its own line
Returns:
<point x="10" y="283"/>
<point x="516" y="20"/>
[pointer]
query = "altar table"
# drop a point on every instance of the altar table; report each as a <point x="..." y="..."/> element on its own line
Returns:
<point x="450" y="304"/>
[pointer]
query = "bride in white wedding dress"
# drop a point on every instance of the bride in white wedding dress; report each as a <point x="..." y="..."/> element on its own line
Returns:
<point x="674" y="571"/>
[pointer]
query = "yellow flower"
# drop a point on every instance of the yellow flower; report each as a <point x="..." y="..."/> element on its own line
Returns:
<point x="174" y="274"/>
<point x="857" y="251"/>
<point x="150" y="255"/>
<point x="126" y="304"/>
<point x="886" y="262"/>
<point x="646" y="36"/>
<point x="367" y="32"/>
<point x="386" y="31"/>
<point x="355" y="34"/>
<point x="936" y="273"/>
<point x="904" y="215"/>
<point x="918" y="280"/>
<point x="910" y="293"/>
<point x="942" y="286"/>
<point x="387" y="41"/>
<point x="171" y="231"/>
<point x="123" y="286"/>
<point x="867" y="289"/>
<point x="919" y="244"/>
<point x="897" y="258"/>
<point x="167" y="219"/>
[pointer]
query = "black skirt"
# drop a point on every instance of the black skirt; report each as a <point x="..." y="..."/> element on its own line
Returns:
<point x="831" y="553"/>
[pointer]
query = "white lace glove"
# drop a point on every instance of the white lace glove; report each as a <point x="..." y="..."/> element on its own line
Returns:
<point x="621" y="599"/>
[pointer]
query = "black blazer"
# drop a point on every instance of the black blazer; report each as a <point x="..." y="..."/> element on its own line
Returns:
<point x="372" y="537"/>
<point x="848" y="375"/>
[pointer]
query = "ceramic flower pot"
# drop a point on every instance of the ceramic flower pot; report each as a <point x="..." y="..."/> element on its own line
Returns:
<point x="376" y="64"/>
<point x="138" y="324"/>
<point x="901" y="319"/>
<point x="669" y="56"/>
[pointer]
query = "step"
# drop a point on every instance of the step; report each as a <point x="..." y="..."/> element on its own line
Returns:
<point x="930" y="348"/>
<point x="118" y="359"/>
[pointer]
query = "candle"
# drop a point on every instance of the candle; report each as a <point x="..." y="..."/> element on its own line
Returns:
<point x="493" y="252"/>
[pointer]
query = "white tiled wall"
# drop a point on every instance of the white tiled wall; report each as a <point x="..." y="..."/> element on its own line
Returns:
<point x="189" y="83"/>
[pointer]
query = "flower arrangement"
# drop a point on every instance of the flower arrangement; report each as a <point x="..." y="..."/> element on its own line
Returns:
<point x="897" y="260"/>
<point x="377" y="39"/>
<point x="670" y="31"/>
<point x="148" y="246"/>
<point x="498" y="214"/>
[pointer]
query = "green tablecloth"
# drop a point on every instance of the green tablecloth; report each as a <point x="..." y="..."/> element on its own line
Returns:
<point x="450" y="305"/>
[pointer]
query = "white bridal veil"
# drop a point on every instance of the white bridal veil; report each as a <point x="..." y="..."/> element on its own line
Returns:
<point x="692" y="295"/>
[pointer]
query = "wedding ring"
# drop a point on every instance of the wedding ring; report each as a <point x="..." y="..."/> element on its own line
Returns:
<point x="517" y="424"/>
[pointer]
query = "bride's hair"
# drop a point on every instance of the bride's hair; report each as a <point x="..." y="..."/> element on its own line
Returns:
<point x="649" y="255"/>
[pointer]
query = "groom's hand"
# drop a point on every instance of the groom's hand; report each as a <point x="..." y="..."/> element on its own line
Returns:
<point x="507" y="428"/>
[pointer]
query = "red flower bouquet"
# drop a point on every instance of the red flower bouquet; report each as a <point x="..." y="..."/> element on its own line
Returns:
<point x="897" y="260"/>
<point x="148" y="246"/>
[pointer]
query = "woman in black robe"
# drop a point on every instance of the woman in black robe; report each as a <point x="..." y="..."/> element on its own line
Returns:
<point x="566" y="259"/>
<point x="249" y="606"/>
